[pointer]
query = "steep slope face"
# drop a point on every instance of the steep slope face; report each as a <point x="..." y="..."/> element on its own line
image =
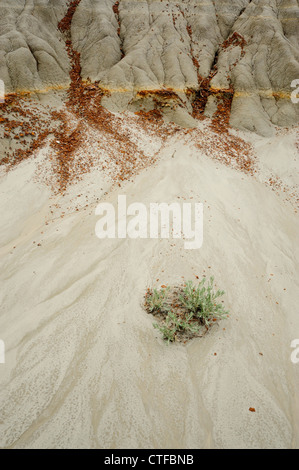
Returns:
<point x="32" y="52"/>
<point x="241" y="54"/>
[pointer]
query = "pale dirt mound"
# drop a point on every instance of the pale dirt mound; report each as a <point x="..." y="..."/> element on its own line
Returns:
<point x="83" y="365"/>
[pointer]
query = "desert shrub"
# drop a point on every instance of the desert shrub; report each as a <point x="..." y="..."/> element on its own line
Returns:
<point x="201" y="301"/>
<point x="155" y="300"/>
<point x="185" y="312"/>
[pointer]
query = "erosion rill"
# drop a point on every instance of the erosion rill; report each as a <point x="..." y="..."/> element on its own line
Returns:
<point x="210" y="51"/>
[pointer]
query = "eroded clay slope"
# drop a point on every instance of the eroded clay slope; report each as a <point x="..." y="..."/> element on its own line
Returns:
<point x="32" y="51"/>
<point x="242" y="54"/>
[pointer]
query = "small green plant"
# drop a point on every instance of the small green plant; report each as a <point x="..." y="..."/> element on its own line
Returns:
<point x="200" y="301"/>
<point x="167" y="332"/>
<point x="185" y="312"/>
<point x="175" y="324"/>
<point x="155" y="300"/>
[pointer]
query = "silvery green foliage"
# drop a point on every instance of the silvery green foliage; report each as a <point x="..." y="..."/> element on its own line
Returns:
<point x="201" y="301"/>
<point x="196" y="307"/>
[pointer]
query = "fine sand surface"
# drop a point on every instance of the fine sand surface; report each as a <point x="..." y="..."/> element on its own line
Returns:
<point x="84" y="365"/>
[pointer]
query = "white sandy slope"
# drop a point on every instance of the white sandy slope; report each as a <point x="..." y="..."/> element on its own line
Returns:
<point x="84" y="366"/>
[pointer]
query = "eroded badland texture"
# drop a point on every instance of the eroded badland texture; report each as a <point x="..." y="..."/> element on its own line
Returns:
<point x="238" y="55"/>
<point x="142" y="99"/>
